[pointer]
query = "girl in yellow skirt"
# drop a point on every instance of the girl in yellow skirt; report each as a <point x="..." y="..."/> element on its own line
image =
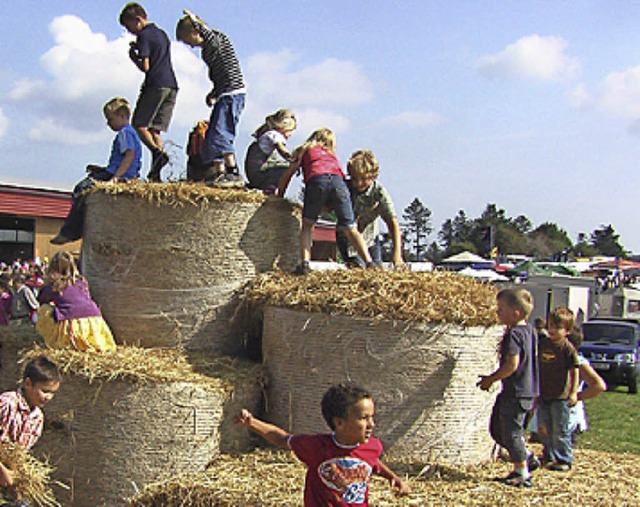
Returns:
<point x="68" y="317"/>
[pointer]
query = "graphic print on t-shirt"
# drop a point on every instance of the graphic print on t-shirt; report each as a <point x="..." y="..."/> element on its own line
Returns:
<point x="348" y="475"/>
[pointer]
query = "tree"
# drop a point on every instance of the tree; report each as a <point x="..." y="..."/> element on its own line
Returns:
<point x="416" y="227"/>
<point x="434" y="253"/>
<point x="548" y="240"/>
<point x="607" y="242"/>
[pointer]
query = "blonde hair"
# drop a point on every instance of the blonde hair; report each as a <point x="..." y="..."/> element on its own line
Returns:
<point x="562" y="318"/>
<point x="282" y="119"/>
<point x="323" y="137"/>
<point x="62" y="271"/>
<point x="363" y="164"/>
<point x="517" y="299"/>
<point x="117" y="105"/>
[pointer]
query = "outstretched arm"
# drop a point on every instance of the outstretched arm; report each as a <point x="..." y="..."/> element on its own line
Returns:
<point x="396" y="238"/>
<point x="270" y="432"/>
<point x="395" y="481"/>
<point x="595" y="383"/>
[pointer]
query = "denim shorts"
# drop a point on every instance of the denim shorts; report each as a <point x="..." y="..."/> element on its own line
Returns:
<point x="328" y="191"/>
<point x="221" y="134"/>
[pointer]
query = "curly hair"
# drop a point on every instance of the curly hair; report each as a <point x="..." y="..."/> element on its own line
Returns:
<point x="282" y="119"/>
<point x="337" y="400"/>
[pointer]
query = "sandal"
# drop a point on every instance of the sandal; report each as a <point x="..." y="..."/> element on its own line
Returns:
<point x="516" y="480"/>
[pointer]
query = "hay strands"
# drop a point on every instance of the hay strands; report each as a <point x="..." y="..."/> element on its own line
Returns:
<point x="437" y="297"/>
<point x="31" y="477"/>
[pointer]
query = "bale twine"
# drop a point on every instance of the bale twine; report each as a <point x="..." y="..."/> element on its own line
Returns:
<point x="165" y="262"/>
<point x="422" y="376"/>
<point x="108" y="435"/>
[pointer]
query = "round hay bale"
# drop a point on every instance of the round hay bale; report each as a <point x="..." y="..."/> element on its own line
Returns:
<point x="422" y="376"/>
<point x="107" y="437"/>
<point x="166" y="267"/>
<point x="15" y="338"/>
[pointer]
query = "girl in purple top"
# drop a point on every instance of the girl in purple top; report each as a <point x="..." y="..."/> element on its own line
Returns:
<point x="68" y="317"/>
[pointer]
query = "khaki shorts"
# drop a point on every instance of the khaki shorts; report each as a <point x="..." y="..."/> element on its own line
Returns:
<point x="154" y="108"/>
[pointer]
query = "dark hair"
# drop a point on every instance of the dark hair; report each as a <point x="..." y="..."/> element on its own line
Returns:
<point x="575" y="337"/>
<point x="41" y="369"/>
<point x="337" y="400"/>
<point x="131" y="11"/>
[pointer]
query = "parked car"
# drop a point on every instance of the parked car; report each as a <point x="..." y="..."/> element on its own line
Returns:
<point x="612" y="346"/>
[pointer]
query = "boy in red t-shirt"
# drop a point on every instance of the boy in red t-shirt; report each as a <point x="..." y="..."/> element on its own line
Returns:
<point x="339" y="465"/>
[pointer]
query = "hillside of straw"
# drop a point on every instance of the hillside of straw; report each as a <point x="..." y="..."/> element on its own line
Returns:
<point x="276" y="479"/>
<point x="438" y="297"/>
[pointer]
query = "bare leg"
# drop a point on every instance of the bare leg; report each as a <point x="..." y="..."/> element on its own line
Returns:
<point x="358" y="243"/>
<point x="306" y="234"/>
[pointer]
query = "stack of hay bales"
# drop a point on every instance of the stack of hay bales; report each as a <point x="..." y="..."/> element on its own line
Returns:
<point x="166" y="262"/>
<point x="417" y="341"/>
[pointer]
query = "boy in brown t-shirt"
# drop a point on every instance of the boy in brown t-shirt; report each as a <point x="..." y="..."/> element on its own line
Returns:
<point x="558" y="363"/>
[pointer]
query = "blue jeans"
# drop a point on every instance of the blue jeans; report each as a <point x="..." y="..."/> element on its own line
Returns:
<point x="554" y="416"/>
<point x="507" y="425"/>
<point x="221" y="134"/>
<point x="328" y="191"/>
<point x="74" y="223"/>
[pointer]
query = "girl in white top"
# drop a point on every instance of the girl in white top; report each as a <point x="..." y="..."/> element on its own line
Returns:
<point x="267" y="157"/>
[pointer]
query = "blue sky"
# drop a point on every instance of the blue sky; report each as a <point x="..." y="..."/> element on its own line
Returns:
<point x="532" y="105"/>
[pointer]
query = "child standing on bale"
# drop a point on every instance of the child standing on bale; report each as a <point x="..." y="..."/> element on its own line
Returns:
<point x="21" y="417"/>
<point x="518" y="372"/>
<point x="340" y="464"/>
<point x="263" y="166"/>
<point x="370" y="201"/>
<point x="227" y="98"/>
<point x="68" y="317"/>
<point x="559" y="384"/>
<point x="324" y="187"/>
<point x="151" y="53"/>
<point x="124" y="164"/>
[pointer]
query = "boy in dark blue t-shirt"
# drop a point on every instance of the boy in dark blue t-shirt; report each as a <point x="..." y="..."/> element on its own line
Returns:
<point x="518" y="372"/>
<point x="151" y="53"/>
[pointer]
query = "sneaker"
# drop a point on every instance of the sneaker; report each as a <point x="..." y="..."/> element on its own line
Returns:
<point x="532" y="462"/>
<point x="559" y="466"/>
<point x="518" y="481"/>
<point x="158" y="161"/>
<point x="303" y="268"/>
<point x="60" y="239"/>
<point x="226" y="180"/>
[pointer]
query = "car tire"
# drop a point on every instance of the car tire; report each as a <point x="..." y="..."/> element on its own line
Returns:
<point x="633" y="385"/>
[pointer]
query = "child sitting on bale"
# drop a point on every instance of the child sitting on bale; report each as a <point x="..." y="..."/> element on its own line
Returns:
<point x="68" y="317"/>
<point x="21" y="417"/>
<point x="518" y="372"/>
<point x="325" y="187"/>
<point x="124" y="164"/>
<point x="340" y="464"/>
<point x="267" y="157"/>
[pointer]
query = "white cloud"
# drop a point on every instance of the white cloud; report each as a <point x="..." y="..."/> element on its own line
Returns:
<point x="413" y="119"/>
<point x="619" y="94"/>
<point x="84" y="70"/>
<point x="4" y="122"/>
<point x="318" y="93"/>
<point x="580" y="98"/>
<point x="49" y="130"/>
<point x="531" y="57"/>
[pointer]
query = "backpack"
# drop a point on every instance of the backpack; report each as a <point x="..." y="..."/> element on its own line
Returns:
<point x="195" y="169"/>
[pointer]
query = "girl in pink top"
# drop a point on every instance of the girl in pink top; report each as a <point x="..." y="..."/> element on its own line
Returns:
<point x="325" y="187"/>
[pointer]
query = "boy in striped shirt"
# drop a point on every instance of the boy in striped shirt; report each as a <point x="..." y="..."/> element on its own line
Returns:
<point x="227" y="97"/>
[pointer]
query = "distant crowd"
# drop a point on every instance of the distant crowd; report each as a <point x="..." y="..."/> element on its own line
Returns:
<point x="20" y="282"/>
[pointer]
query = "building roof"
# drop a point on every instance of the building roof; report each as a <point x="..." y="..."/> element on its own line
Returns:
<point x="34" y="202"/>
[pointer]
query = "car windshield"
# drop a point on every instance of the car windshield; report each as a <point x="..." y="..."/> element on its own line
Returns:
<point x="596" y="332"/>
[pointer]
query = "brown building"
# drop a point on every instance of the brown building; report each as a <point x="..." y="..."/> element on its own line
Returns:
<point x="29" y="218"/>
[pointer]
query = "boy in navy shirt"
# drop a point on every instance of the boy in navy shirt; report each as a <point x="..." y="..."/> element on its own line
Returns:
<point x="518" y="372"/>
<point x="151" y="53"/>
